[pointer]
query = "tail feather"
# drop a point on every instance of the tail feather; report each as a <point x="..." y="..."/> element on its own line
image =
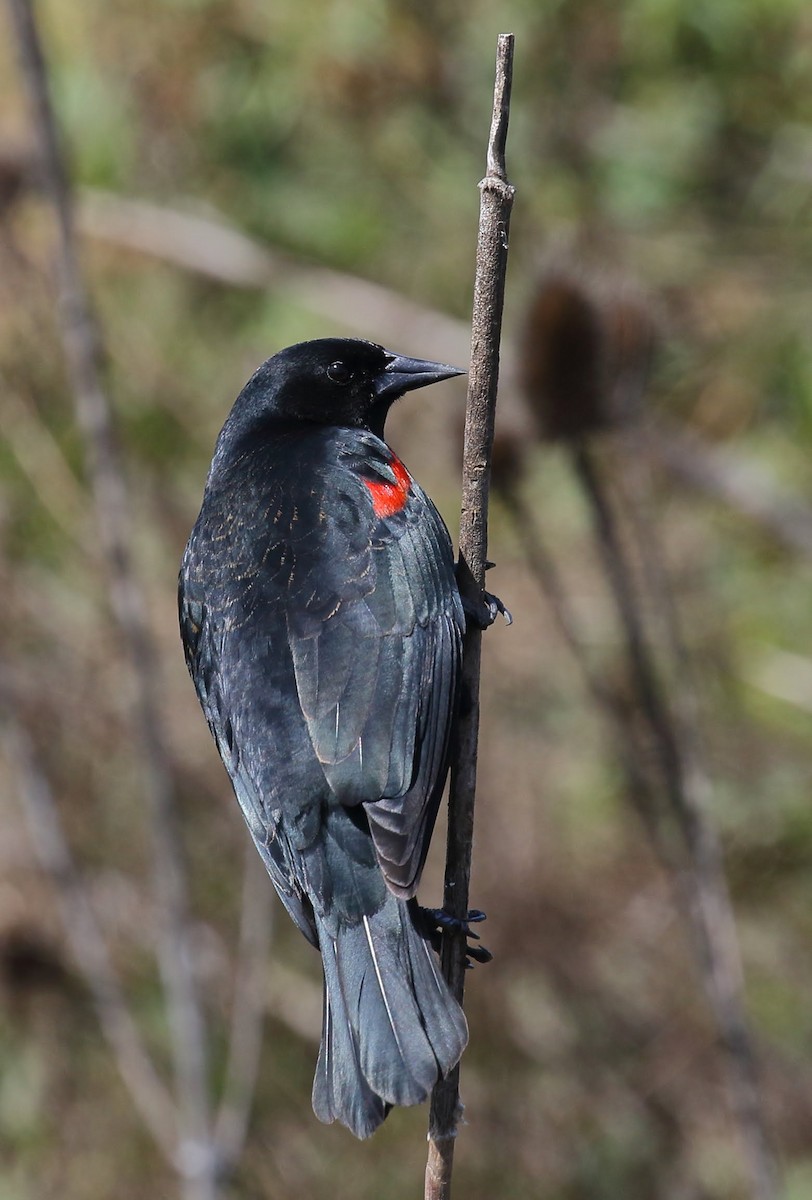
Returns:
<point x="442" y="1015"/>
<point x="396" y="1053"/>
<point x="391" y="1026"/>
<point x="340" y="1091"/>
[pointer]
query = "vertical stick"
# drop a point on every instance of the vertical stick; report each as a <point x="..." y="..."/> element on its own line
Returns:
<point x="489" y="291"/>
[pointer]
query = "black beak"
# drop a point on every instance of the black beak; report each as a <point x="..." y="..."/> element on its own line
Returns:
<point x="405" y="374"/>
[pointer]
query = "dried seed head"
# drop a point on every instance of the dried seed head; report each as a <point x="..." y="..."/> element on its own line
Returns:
<point x="585" y="355"/>
<point x="562" y="359"/>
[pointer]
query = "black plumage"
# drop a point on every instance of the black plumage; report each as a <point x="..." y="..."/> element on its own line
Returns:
<point x="322" y="627"/>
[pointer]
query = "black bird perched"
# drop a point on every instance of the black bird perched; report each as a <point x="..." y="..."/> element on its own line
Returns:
<point x="322" y="627"/>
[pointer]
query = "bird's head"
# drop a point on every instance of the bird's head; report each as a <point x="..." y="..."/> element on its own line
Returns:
<point x="334" y="381"/>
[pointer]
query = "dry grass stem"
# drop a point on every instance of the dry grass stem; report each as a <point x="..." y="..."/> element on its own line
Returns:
<point x="702" y="882"/>
<point x="247" y="1011"/>
<point x="86" y="939"/>
<point x="82" y="343"/>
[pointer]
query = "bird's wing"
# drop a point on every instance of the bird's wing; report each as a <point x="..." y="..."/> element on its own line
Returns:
<point x="375" y="626"/>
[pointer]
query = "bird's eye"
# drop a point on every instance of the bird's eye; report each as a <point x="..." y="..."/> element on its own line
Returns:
<point x="339" y="372"/>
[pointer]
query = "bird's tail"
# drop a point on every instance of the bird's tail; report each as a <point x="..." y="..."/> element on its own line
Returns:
<point x="391" y="1026"/>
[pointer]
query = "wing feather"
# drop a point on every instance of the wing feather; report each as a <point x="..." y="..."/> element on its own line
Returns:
<point x="378" y="679"/>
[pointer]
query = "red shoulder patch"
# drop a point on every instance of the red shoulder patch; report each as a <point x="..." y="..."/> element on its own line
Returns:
<point x="390" y="498"/>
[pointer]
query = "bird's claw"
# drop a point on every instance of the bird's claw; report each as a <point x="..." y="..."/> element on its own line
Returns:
<point x="438" y="920"/>
<point x="445" y="919"/>
<point x="483" y="611"/>
<point x="481" y="953"/>
<point x="481" y="608"/>
<point x="495" y="607"/>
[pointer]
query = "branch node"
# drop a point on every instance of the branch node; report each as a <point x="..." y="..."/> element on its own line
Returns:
<point x="492" y="183"/>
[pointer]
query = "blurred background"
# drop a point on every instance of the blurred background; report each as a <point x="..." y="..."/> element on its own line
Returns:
<point x="250" y="175"/>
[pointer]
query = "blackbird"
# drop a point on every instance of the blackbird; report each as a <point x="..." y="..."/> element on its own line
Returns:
<point x="322" y="627"/>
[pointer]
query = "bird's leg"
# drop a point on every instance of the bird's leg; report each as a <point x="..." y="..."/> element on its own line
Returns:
<point x="435" y="920"/>
<point x="480" y="607"/>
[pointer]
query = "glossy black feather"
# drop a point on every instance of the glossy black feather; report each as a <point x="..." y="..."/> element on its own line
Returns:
<point x="322" y="627"/>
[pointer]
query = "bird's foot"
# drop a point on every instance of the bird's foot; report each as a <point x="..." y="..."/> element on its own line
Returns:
<point x="437" y="919"/>
<point x="483" y="611"/>
<point x="480" y="607"/>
